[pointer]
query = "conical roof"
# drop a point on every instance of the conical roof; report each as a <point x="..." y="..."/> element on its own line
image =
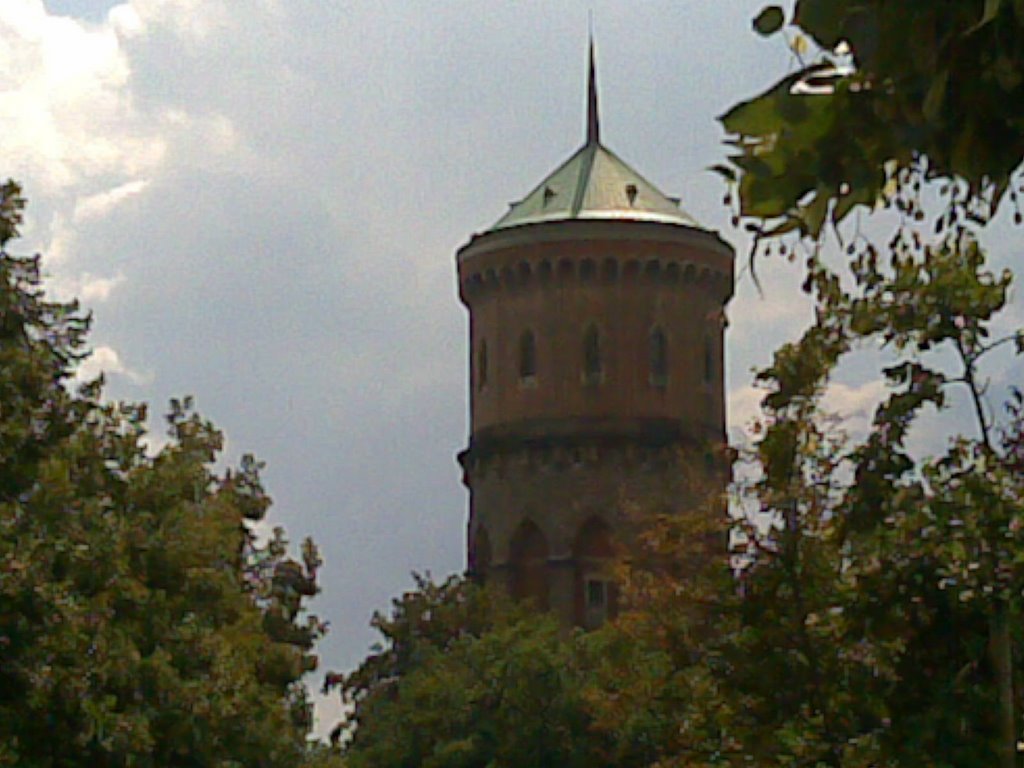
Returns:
<point x="594" y="184"/>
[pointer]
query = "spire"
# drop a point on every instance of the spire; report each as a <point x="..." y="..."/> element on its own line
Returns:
<point x="593" y="118"/>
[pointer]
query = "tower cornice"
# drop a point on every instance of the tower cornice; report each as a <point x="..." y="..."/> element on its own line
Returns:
<point x="595" y="229"/>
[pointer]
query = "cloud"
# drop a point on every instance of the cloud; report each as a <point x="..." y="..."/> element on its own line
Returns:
<point x="66" y="109"/>
<point x="744" y="409"/>
<point x="97" y="289"/>
<point x="101" y="203"/>
<point x="105" y="360"/>
<point x="76" y="121"/>
<point x="852" y="404"/>
<point x="191" y="21"/>
<point x="125" y="21"/>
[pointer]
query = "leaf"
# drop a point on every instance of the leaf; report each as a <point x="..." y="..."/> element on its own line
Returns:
<point x="769" y="20"/>
<point x="761" y="116"/>
<point x="755" y="117"/>
<point x="862" y="194"/>
<point x="822" y="20"/>
<point x="813" y="214"/>
<point x="761" y="198"/>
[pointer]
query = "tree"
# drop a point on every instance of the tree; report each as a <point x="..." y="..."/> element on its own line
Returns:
<point x="141" y="621"/>
<point x="915" y="108"/>
<point x="892" y="96"/>
<point x="466" y="680"/>
<point x="659" y="689"/>
<point x="900" y="627"/>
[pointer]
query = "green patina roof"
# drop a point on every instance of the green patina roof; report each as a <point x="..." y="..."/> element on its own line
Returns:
<point x="594" y="184"/>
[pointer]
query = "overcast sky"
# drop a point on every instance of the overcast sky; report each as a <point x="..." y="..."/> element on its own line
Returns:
<point x="261" y="201"/>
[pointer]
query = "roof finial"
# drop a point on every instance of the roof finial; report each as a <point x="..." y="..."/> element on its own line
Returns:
<point x="593" y="117"/>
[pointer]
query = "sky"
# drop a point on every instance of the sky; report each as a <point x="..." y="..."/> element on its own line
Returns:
<point x="260" y="201"/>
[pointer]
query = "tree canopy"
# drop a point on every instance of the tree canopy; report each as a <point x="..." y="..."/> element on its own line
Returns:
<point x="463" y="678"/>
<point x="914" y="108"/>
<point x="885" y="98"/>
<point x="141" y="620"/>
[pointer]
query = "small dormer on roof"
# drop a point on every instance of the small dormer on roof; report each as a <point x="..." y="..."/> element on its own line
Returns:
<point x="594" y="184"/>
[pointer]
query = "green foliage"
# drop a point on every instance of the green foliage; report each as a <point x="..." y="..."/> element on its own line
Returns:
<point x="770" y="20"/>
<point x="466" y="680"/>
<point x="893" y="568"/>
<point x="894" y="580"/>
<point x="659" y="675"/>
<point x="897" y="95"/>
<point x="141" y="622"/>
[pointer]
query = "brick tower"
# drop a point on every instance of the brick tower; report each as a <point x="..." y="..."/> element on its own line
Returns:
<point x="596" y="337"/>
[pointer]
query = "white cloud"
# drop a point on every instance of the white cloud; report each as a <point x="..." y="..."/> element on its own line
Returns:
<point x="58" y="239"/>
<point x="105" y="360"/>
<point x="125" y="20"/>
<point x="72" y="121"/>
<point x="66" y="108"/>
<point x="192" y="21"/>
<point x="78" y="135"/>
<point x="87" y="288"/>
<point x="101" y="203"/>
<point x="854" y="404"/>
<point x="97" y="289"/>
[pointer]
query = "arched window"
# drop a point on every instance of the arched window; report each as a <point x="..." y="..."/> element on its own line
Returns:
<point x="527" y="355"/>
<point x="709" y="360"/>
<point x="481" y="365"/>
<point x="658" y="358"/>
<point x="592" y="356"/>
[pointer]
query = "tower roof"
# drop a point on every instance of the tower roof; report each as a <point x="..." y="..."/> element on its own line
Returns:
<point x="594" y="184"/>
